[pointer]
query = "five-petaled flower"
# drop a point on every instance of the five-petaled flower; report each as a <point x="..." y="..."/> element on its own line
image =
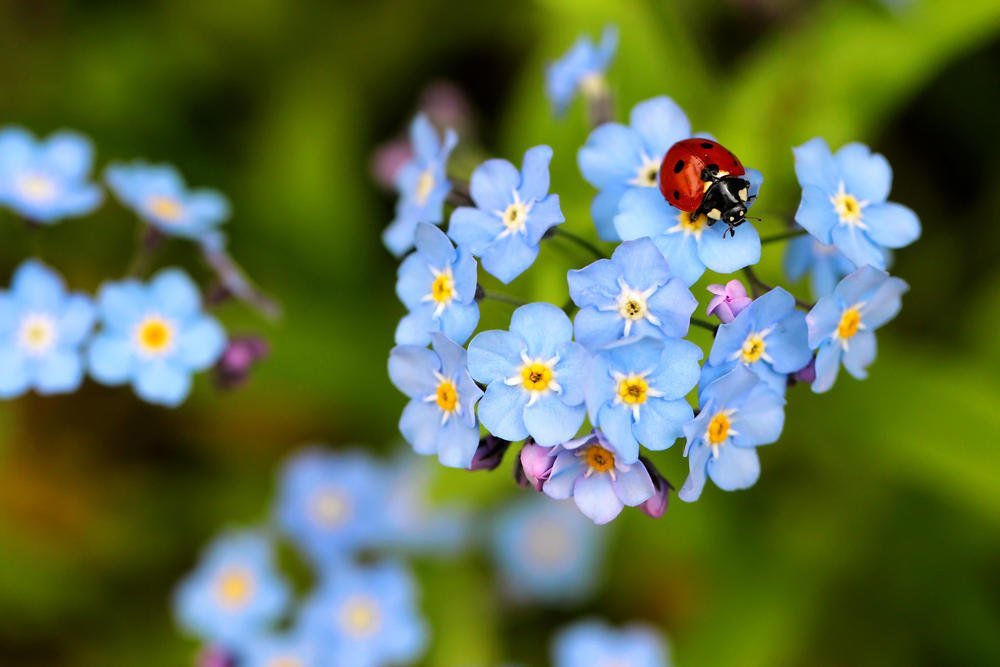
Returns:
<point x="690" y="245"/>
<point x="632" y="294"/>
<point x="159" y="196"/>
<point x="592" y="472"/>
<point x="513" y="212"/>
<point x="769" y="337"/>
<point x="844" y="202"/>
<point x="737" y="413"/>
<point x="234" y="594"/>
<point x="422" y="184"/>
<point x="618" y="158"/>
<point x="42" y="331"/>
<point x="155" y="336"/>
<point x="825" y="264"/>
<point x="635" y="392"/>
<point x="581" y="68"/>
<point x="534" y="375"/>
<point x="593" y="643"/>
<point x="440" y="417"/>
<point x="46" y="181"/>
<point x="366" y="617"/>
<point x="437" y="283"/>
<point x="842" y="325"/>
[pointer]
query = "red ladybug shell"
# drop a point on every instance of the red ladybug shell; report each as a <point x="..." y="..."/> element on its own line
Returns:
<point x="680" y="171"/>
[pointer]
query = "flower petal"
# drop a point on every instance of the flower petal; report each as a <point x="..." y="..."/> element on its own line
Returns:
<point x="549" y="421"/>
<point x="736" y="468"/>
<point x="596" y="498"/>
<point x="726" y="255"/>
<point x="501" y="411"/>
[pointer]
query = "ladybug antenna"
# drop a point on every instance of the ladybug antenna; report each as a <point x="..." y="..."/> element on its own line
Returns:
<point x="753" y="217"/>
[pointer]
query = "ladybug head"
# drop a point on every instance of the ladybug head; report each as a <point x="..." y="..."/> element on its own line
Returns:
<point x="727" y="200"/>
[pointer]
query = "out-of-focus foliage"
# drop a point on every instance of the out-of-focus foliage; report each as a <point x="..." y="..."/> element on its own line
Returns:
<point x="873" y="537"/>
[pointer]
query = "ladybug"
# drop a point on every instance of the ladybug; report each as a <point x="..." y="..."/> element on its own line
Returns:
<point x="703" y="177"/>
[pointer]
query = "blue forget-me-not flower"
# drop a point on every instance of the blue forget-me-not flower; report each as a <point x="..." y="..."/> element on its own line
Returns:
<point x="158" y="195"/>
<point x="844" y="202"/>
<point x="534" y="376"/>
<point x="592" y="472"/>
<point x="367" y="617"/>
<point x="440" y="417"/>
<point x="422" y="184"/>
<point x="825" y="264"/>
<point x="632" y="294"/>
<point x="769" y="337"/>
<point x="635" y="392"/>
<point x="842" y="325"/>
<point x="437" y="284"/>
<point x="580" y="68"/>
<point x="690" y="245"/>
<point x="547" y="551"/>
<point x="42" y="332"/>
<point x="513" y="212"/>
<point x="154" y="336"/>
<point x="593" y="643"/>
<point x="234" y="594"/>
<point x="292" y="649"/>
<point x="48" y="180"/>
<point x="618" y="158"/>
<point x="737" y="413"/>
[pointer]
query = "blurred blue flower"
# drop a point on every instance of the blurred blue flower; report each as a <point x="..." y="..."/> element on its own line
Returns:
<point x="769" y="337"/>
<point x="547" y="551"/>
<point x="582" y="67"/>
<point x="234" y="594"/>
<point x="42" y="332"/>
<point x="437" y="284"/>
<point x="592" y="472"/>
<point x="534" y="375"/>
<point x="422" y="184"/>
<point x="158" y="195"/>
<point x="844" y="202"/>
<point x="155" y="336"/>
<point x="440" y="417"/>
<point x="635" y="392"/>
<point x="593" y="643"/>
<point x="737" y="413"/>
<point x="328" y="503"/>
<point x="47" y="180"/>
<point x="824" y="263"/>
<point x="513" y="212"/>
<point x="618" y="158"/>
<point x="632" y="294"/>
<point x="294" y="649"/>
<point x="367" y="617"/>
<point x="842" y="325"/>
<point x="689" y="245"/>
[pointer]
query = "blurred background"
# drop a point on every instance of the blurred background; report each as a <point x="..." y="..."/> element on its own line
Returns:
<point x="873" y="537"/>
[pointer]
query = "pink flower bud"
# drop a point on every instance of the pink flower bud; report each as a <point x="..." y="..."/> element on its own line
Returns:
<point x="536" y="463"/>
<point x="729" y="300"/>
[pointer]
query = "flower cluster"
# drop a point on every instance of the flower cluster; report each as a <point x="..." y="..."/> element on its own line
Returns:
<point x="151" y="333"/>
<point x="350" y="517"/>
<point x="588" y="384"/>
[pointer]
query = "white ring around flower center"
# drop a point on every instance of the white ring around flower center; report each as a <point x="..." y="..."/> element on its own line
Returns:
<point x="515" y="217"/>
<point x="633" y="305"/>
<point x="646" y="175"/>
<point x="849" y="208"/>
<point x="38" y="188"/>
<point x="37" y="334"/>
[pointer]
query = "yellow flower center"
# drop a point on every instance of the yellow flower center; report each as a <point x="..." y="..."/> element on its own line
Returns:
<point x="154" y="335"/>
<point x="443" y="287"/>
<point x="38" y="334"/>
<point x="633" y="389"/>
<point x="37" y="187"/>
<point x="593" y="84"/>
<point x="718" y="429"/>
<point x="446" y="395"/>
<point x="424" y="185"/>
<point x="847" y="206"/>
<point x="165" y="208"/>
<point x="536" y="376"/>
<point x="850" y="322"/>
<point x="753" y="348"/>
<point x="515" y="217"/>
<point x="646" y="176"/>
<point x="234" y="587"/>
<point x="633" y="309"/>
<point x="691" y="225"/>
<point x="359" y="617"/>
<point x="599" y="459"/>
<point x="330" y="507"/>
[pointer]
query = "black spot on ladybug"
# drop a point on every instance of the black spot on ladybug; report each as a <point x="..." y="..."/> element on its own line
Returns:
<point x="678" y="166"/>
<point x="707" y="144"/>
<point x="677" y="194"/>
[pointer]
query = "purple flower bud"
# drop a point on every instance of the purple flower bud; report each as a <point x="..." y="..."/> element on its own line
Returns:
<point x="536" y="463"/>
<point x="446" y="105"/>
<point x="806" y="374"/>
<point x="215" y="656"/>
<point x="239" y="357"/>
<point x="388" y="159"/>
<point x="656" y="506"/>
<point x="490" y="453"/>
<point x="728" y="301"/>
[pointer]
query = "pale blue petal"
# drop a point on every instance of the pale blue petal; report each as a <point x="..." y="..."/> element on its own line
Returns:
<point x="615" y="421"/>
<point x="788" y="344"/>
<point x="544" y="215"/>
<point x="434" y="245"/>
<point x="59" y="372"/>
<point x="14" y="378"/>
<point x="866" y="175"/>
<point x="633" y="486"/>
<point x="860" y="354"/>
<point x="571" y="372"/>
<point x="884" y="303"/>
<point x="501" y="411"/>
<point x="458" y="321"/>
<point x="603" y="209"/>
<point x="549" y="421"/>
<point x="398" y="236"/>
<point x="76" y="319"/>
<point x="411" y="369"/>
<point x="799" y="257"/>
<point x="678" y="371"/>
<point x="594" y="328"/>
<point x="424" y="138"/>
<point x="565" y="471"/>
<point x="465" y="274"/>
<point x="543" y="327"/>
<point x="420" y="425"/>
<point x="415" y="328"/>
<point x="892" y="225"/>
<point x="760" y="419"/>
<point x="735" y="468"/>
<point x="822" y="320"/>
<point x="493" y="184"/>
<point x="509" y="257"/>
<point x="111" y="359"/>
<point x="595" y="284"/>
<point x="682" y="256"/>
<point x="661" y="123"/>
<point x="814" y="165"/>
<point x="474" y="229"/>
<point x="661" y="422"/>
<point x="816" y="213"/>
<point x="732" y="253"/>
<point x="413" y="281"/>
<point x="596" y="498"/>
<point x="827" y="366"/>
<point x="673" y="304"/>
<point x="162" y="383"/>
<point x="698" y="456"/>
<point x="457" y="444"/>
<point x="495" y="356"/>
<point x="730" y="389"/>
<point x="643" y="212"/>
<point x="535" y="173"/>
<point x="611" y="156"/>
<point x="175" y="294"/>
<point x="860" y="285"/>
<point x="207" y="206"/>
<point x="201" y="343"/>
<point x="642" y="264"/>
<point x="857" y="247"/>
<point x="37" y="286"/>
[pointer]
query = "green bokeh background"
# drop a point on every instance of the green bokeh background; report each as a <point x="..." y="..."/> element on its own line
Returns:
<point x="873" y="537"/>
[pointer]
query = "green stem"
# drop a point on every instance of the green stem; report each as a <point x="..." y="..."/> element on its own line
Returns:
<point x="579" y="240"/>
<point x="499" y="296"/>
<point x="708" y="326"/>
<point x="790" y="234"/>
<point x="758" y="287"/>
